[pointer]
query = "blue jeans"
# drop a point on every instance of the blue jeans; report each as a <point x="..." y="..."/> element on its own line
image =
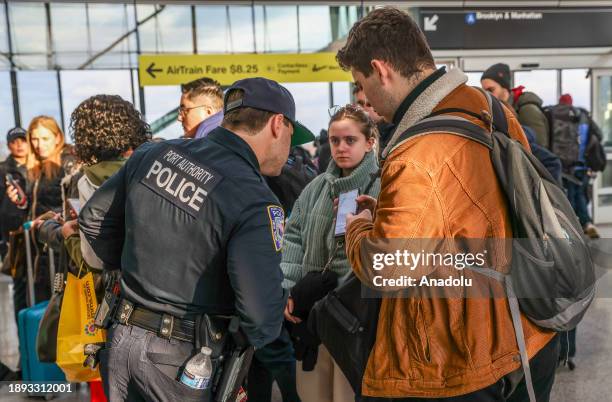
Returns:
<point x="577" y="196"/>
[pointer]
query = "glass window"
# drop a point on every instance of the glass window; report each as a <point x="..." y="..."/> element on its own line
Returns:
<point x="168" y="31"/>
<point x="343" y="17"/>
<point x="541" y="82"/>
<point x="28" y="27"/>
<point x="311" y="104"/>
<point x="3" y="31"/>
<point x="474" y="78"/>
<point x="4" y="63"/>
<point x="31" y="61"/>
<point x="576" y="83"/>
<point x="159" y="101"/>
<point x="604" y="109"/>
<point x="112" y="60"/>
<point x="80" y="85"/>
<point x="224" y="29"/>
<point x="69" y="27"/>
<point x="260" y="29"/>
<point x="7" y="119"/>
<point x="108" y="22"/>
<point x="241" y="32"/>
<point x="38" y="95"/>
<point x="68" y="61"/>
<point x="315" y="28"/>
<point x="211" y="29"/>
<point x="280" y="29"/>
<point x="342" y="93"/>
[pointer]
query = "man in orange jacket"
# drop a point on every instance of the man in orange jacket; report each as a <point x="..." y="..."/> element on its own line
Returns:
<point x="436" y="186"/>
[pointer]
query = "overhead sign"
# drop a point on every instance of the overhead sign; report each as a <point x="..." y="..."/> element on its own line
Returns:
<point x="516" y="29"/>
<point x="228" y="68"/>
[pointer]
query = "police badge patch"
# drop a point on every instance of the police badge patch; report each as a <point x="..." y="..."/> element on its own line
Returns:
<point x="277" y="225"/>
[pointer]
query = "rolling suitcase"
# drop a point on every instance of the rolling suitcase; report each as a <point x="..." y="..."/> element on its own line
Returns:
<point x="32" y="368"/>
<point x="28" y="324"/>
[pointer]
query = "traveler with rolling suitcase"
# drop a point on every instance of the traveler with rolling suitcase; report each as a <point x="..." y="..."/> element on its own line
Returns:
<point x="28" y="323"/>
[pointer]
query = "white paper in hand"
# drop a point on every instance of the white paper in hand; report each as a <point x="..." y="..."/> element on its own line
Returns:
<point x="347" y="204"/>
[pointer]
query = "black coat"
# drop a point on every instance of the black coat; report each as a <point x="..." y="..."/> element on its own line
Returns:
<point x="49" y="190"/>
<point x="11" y="217"/>
<point x="194" y="229"/>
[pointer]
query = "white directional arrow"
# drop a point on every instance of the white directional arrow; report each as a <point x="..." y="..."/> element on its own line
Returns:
<point x="430" y="23"/>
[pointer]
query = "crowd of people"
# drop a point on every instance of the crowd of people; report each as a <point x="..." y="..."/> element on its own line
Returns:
<point x="219" y="246"/>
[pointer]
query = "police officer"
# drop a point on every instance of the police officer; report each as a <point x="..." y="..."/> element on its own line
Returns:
<point x="194" y="229"/>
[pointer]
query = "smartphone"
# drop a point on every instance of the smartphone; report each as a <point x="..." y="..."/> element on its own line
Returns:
<point x="75" y="204"/>
<point x="11" y="180"/>
<point x="347" y="204"/>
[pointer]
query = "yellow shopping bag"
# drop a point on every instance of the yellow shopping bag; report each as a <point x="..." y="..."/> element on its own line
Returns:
<point x="76" y="328"/>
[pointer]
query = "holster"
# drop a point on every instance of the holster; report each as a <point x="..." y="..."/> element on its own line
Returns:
<point x="231" y="353"/>
<point x="92" y="354"/>
<point x="212" y="331"/>
<point x="110" y="301"/>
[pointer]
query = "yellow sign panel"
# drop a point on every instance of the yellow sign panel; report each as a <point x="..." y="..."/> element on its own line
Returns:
<point x="228" y="68"/>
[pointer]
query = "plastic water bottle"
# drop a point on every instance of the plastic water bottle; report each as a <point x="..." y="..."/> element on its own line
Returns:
<point x="198" y="371"/>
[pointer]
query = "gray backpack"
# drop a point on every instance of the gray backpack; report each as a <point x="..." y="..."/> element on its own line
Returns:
<point x="552" y="276"/>
<point x="564" y="123"/>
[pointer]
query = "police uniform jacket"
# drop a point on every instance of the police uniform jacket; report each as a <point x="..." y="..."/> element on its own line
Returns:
<point x="194" y="229"/>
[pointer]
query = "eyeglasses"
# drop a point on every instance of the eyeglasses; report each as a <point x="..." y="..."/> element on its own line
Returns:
<point x="184" y="110"/>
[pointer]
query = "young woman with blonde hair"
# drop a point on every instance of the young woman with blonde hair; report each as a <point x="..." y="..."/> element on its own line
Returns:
<point x="49" y="161"/>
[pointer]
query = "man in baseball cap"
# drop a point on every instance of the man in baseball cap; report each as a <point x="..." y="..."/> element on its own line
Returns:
<point x="12" y="217"/>
<point x="209" y="197"/>
<point x="267" y="95"/>
<point x="14" y="133"/>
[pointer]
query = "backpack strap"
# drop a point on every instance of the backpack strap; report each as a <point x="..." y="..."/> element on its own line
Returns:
<point x="497" y="112"/>
<point x="455" y="110"/>
<point x="515" y="313"/>
<point x="448" y="125"/>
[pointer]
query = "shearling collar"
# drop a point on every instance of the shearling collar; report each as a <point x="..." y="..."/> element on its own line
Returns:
<point x="426" y="102"/>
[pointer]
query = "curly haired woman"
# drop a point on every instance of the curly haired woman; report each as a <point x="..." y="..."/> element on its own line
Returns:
<point x="105" y="130"/>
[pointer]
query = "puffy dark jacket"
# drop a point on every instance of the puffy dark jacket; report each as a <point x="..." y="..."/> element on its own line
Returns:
<point x="528" y="107"/>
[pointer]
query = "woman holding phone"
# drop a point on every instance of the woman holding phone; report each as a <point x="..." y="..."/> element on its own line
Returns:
<point x="49" y="161"/>
<point x="312" y="245"/>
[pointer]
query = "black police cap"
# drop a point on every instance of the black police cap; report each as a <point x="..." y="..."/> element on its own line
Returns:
<point x="264" y="94"/>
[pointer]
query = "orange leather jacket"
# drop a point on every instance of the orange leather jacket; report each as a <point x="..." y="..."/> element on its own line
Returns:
<point x="441" y="186"/>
